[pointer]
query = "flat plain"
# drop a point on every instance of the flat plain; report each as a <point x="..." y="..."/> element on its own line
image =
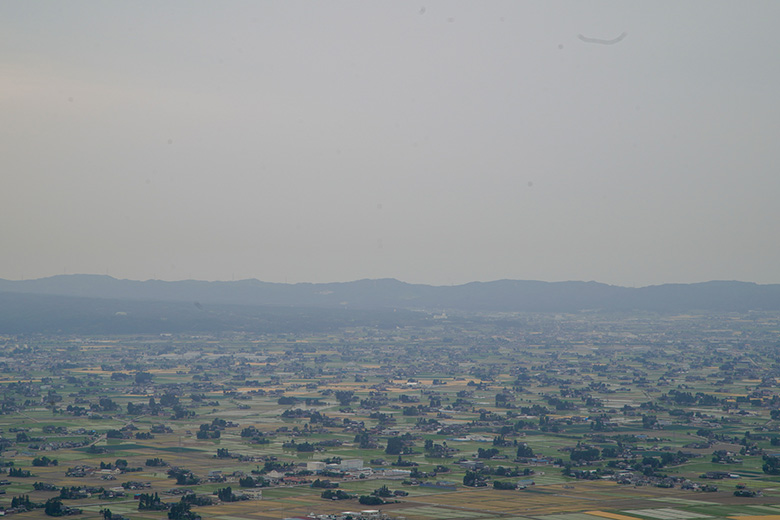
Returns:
<point x="486" y="416"/>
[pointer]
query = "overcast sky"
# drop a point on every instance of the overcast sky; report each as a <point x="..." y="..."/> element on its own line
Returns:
<point x="433" y="142"/>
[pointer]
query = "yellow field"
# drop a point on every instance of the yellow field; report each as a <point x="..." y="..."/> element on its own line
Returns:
<point x="539" y="501"/>
<point x="613" y="516"/>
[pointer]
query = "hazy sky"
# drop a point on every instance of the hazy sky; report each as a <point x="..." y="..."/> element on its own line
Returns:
<point x="433" y="142"/>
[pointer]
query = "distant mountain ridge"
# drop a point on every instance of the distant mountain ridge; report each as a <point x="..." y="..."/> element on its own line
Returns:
<point x="500" y="295"/>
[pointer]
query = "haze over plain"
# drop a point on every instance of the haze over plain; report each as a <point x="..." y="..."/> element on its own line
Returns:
<point x="433" y="142"/>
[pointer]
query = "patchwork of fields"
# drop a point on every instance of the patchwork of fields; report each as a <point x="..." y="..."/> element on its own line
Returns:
<point x="490" y="417"/>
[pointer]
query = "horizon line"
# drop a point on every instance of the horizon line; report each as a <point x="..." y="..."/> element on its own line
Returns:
<point x="95" y="275"/>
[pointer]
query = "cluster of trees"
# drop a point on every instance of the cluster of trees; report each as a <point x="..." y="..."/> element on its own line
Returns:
<point x="771" y="465"/>
<point x="197" y="500"/>
<point x="524" y="451"/>
<point x="23" y="501"/>
<point x="151" y="502"/>
<point x="206" y="431"/>
<point x="44" y="461"/>
<point x="483" y="453"/>
<point x="474" y="479"/>
<point x="690" y="399"/>
<point x="181" y="511"/>
<point x="223" y="453"/>
<point x="585" y="454"/>
<point x="250" y="431"/>
<point x="54" y="507"/>
<point x="184" y="477"/>
<point x="251" y="482"/>
<point x="436" y="450"/>
<point x="382" y="492"/>
<point x="213" y="430"/>
<point x="324" y="484"/>
<point x="227" y="495"/>
<point x="19" y="472"/>
<point x="108" y="515"/>
<point x="303" y="447"/>
<point x="337" y="494"/>
<point x="399" y="445"/>
<point x="120" y="464"/>
<point x="345" y="397"/>
<point x="364" y="442"/>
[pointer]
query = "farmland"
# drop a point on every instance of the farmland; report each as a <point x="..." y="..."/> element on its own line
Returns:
<point x="506" y="416"/>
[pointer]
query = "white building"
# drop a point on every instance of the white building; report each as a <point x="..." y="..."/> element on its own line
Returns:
<point x="315" y="466"/>
<point x="352" y="464"/>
